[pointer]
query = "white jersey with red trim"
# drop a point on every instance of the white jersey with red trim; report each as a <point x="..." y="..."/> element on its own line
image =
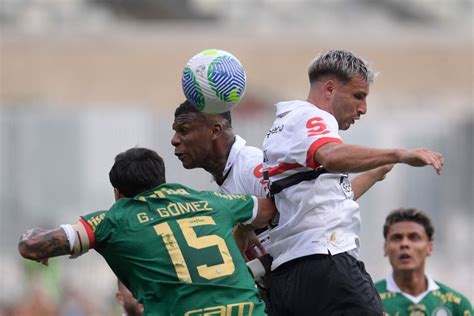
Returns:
<point x="244" y="175"/>
<point x="244" y="170"/>
<point x="317" y="216"/>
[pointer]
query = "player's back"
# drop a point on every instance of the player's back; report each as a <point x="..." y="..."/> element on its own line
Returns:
<point x="173" y="247"/>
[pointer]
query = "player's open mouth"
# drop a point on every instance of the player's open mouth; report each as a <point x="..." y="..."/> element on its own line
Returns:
<point x="404" y="257"/>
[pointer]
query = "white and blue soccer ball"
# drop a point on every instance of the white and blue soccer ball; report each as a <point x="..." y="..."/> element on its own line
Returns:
<point x="214" y="81"/>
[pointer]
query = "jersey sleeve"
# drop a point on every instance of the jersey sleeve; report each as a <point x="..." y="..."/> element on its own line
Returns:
<point x="312" y="129"/>
<point x="242" y="208"/>
<point x="91" y="222"/>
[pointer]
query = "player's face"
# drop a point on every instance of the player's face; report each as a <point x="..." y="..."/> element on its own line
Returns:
<point x="349" y="101"/>
<point x="192" y="140"/>
<point x="407" y="246"/>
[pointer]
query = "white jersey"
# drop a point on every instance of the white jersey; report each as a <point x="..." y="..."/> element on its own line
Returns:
<point x="244" y="175"/>
<point x="244" y="170"/>
<point x="317" y="216"/>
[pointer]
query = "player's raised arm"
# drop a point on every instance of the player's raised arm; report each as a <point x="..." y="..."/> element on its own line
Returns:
<point x="39" y="244"/>
<point x="364" y="181"/>
<point x="354" y="158"/>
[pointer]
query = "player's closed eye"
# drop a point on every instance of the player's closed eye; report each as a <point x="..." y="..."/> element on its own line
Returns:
<point x="359" y="96"/>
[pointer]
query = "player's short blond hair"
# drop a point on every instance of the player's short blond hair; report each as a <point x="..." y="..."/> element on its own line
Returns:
<point x="341" y="63"/>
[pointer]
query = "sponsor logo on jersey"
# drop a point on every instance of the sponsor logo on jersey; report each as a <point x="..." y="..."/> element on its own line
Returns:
<point x="276" y="129"/>
<point x="316" y="126"/>
<point x="241" y="309"/>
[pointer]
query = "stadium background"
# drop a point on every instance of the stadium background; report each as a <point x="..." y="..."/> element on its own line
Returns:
<point x="82" y="80"/>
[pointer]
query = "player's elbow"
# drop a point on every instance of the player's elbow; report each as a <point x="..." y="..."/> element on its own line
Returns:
<point x="330" y="163"/>
<point x="328" y="157"/>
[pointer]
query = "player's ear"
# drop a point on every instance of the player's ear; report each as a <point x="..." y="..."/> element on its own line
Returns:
<point x="329" y="87"/>
<point x="217" y="130"/>
<point x="117" y="194"/>
<point x="430" y="248"/>
<point x="385" y="252"/>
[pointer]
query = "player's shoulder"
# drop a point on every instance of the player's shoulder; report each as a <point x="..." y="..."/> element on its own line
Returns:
<point x="249" y="156"/>
<point x="94" y="218"/>
<point x="451" y="293"/>
<point x="381" y="285"/>
<point x="384" y="293"/>
<point x="304" y="109"/>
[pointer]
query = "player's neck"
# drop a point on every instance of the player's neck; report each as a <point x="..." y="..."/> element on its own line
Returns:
<point x="217" y="166"/>
<point x="411" y="282"/>
<point x="319" y="103"/>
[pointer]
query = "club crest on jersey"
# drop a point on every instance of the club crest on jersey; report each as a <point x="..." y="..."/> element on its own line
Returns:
<point x="441" y="311"/>
<point x="346" y="187"/>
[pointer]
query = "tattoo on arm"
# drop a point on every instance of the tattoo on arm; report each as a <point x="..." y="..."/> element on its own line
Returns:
<point x="37" y="243"/>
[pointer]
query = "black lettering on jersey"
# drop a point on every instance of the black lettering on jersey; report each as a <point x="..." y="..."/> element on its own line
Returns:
<point x="276" y="129"/>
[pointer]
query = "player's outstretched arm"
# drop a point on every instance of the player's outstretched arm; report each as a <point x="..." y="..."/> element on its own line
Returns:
<point x="40" y="244"/>
<point x="364" y="181"/>
<point x="353" y="158"/>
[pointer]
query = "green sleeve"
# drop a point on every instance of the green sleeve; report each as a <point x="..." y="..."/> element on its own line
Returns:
<point x="241" y="207"/>
<point x="101" y="227"/>
<point x="93" y="219"/>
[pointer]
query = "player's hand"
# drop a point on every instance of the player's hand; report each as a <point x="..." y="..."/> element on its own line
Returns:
<point x="248" y="243"/>
<point x="254" y="249"/>
<point x="380" y="173"/>
<point x="420" y="157"/>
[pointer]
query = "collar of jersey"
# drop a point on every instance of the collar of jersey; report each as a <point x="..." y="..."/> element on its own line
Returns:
<point x="287" y="106"/>
<point x="393" y="287"/>
<point x="239" y="143"/>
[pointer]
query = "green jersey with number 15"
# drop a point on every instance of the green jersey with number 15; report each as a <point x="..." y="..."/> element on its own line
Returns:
<point x="173" y="248"/>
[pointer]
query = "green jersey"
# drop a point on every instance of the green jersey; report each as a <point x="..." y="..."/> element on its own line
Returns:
<point x="173" y="248"/>
<point x="438" y="300"/>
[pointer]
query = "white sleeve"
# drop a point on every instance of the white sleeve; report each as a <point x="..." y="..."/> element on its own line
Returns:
<point x="312" y="128"/>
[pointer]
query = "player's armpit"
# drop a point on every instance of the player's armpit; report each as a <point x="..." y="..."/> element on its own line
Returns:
<point x="38" y="244"/>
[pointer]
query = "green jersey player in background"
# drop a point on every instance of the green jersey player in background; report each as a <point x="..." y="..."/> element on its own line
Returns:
<point x="409" y="291"/>
<point x="170" y="245"/>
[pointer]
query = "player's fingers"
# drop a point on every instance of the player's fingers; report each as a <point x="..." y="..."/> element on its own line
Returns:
<point x="261" y="248"/>
<point x="436" y="163"/>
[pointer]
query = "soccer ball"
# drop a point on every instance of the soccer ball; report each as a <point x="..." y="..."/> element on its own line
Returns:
<point x="214" y="81"/>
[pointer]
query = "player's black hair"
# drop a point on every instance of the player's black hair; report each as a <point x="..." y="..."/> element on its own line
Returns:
<point x="188" y="107"/>
<point x="137" y="170"/>
<point x="409" y="215"/>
